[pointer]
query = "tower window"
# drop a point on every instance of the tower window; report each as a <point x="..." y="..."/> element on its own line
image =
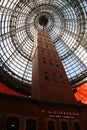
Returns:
<point x="64" y="125"/>
<point x="50" y="61"/>
<point x="40" y="37"/>
<point x="46" y="76"/>
<point x="47" y="46"/>
<point x="44" y="60"/>
<point x="42" y="50"/>
<point x="48" y="52"/>
<point x="57" y="64"/>
<point x="54" y="55"/>
<point x="54" y="78"/>
<point x="61" y="79"/>
<point x="31" y="124"/>
<point x="51" y="125"/>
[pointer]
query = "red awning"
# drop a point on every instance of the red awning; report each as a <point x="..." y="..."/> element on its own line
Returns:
<point x="5" y="90"/>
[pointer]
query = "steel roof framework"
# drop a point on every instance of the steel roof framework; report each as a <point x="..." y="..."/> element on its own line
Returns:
<point x="67" y="25"/>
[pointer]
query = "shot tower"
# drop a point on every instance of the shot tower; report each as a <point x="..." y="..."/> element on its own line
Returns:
<point x="50" y="82"/>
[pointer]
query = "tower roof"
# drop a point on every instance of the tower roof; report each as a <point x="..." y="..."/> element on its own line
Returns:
<point x="64" y="20"/>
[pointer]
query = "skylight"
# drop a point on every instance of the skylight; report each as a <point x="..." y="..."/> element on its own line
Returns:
<point x="67" y="26"/>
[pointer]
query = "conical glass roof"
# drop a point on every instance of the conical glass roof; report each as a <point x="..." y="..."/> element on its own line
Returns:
<point x="66" y="24"/>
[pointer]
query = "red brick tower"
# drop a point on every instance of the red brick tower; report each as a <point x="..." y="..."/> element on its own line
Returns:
<point x="49" y="80"/>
